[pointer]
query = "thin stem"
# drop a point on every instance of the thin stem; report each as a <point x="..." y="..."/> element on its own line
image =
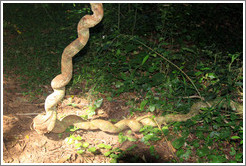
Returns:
<point x="173" y="65"/>
<point x="168" y="143"/>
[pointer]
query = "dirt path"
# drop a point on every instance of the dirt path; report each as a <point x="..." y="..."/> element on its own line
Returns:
<point x="24" y="145"/>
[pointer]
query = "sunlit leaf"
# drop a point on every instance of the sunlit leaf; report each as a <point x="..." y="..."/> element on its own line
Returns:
<point x="81" y="151"/>
<point x="142" y="105"/>
<point x="152" y="108"/>
<point x="211" y="75"/>
<point x="235" y="137"/>
<point x="107" y="153"/>
<point x="145" y="59"/>
<point x="98" y="103"/>
<point x="92" y="149"/>
<point x="78" y="145"/>
<point x="85" y="144"/>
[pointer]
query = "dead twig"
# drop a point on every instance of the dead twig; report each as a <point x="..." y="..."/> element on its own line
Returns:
<point x="168" y="143"/>
<point x="28" y="114"/>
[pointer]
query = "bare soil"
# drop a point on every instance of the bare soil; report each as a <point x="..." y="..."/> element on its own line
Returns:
<point x="21" y="144"/>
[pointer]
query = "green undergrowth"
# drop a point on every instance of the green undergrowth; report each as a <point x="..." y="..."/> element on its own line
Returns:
<point x="212" y="137"/>
<point x="113" y="63"/>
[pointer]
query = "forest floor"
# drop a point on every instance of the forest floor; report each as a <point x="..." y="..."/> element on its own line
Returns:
<point x="23" y="145"/>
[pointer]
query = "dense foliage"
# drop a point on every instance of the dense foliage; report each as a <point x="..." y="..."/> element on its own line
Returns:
<point x="123" y="55"/>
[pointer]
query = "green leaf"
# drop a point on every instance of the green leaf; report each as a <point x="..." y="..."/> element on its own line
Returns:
<point x="80" y="151"/>
<point x="72" y="104"/>
<point x="198" y="73"/>
<point x="109" y="98"/>
<point x="124" y="76"/>
<point x="180" y="152"/>
<point x="145" y="59"/>
<point x="205" y="68"/>
<point x="239" y="157"/>
<point x="200" y="135"/>
<point x="91" y="112"/>
<point x="129" y="132"/>
<point x="187" y="154"/>
<point x="107" y="153"/>
<point x="113" y="161"/>
<point x="60" y="135"/>
<point x="79" y="138"/>
<point x="131" y="147"/>
<point x="225" y="134"/>
<point x="211" y="75"/>
<point x="118" y="84"/>
<point x="135" y="52"/>
<point x="202" y="152"/>
<point x="113" y="120"/>
<point x="188" y="49"/>
<point x="85" y="144"/>
<point x="235" y="137"/>
<point x="214" y="134"/>
<point x="216" y="159"/>
<point x="152" y="150"/>
<point x="122" y="138"/>
<point x="131" y="139"/>
<point x="108" y="146"/>
<point x="98" y="103"/>
<point x="74" y="128"/>
<point x="85" y="117"/>
<point x="178" y="143"/>
<point x="69" y="140"/>
<point x="92" y="149"/>
<point x="232" y="152"/>
<point x="196" y="144"/>
<point x="112" y="155"/>
<point x="239" y="83"/>
<point x="154" y="55"/>
<point x="142" y="105"/>
<point x="118" y="52"/>
<point x="152" y="108"/>
<point x="101" y="145"/>
<point x="78" y="145"/>
<point x="165" y="130"/>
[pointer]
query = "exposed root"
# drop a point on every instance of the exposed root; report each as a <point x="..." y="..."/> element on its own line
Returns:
<point x="134" y="124"/>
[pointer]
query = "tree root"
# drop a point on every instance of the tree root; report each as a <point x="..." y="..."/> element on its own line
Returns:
<point x="134" y="124"/>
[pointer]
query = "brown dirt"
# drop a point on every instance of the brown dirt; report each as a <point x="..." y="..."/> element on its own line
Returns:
<point x="21" y="144"/>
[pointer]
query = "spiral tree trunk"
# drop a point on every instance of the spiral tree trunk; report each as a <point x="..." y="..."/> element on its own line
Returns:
<point x="46" y="123"/>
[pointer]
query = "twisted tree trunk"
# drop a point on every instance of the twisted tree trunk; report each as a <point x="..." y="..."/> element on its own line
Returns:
<point x="45" y="123"/>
